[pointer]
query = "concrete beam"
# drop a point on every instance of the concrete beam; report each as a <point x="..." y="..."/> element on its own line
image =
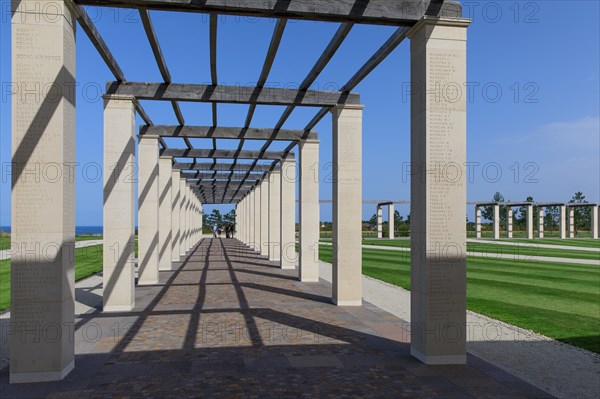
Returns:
<point x="220" y="132"/>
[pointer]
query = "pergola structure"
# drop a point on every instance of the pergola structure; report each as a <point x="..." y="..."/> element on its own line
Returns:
<point x="43" y="130"/>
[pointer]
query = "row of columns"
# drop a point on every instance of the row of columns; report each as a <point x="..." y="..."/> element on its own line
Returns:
<point x="391" y="226"/>
<point x="169" y="212"/>
<point x="566" y="221"/>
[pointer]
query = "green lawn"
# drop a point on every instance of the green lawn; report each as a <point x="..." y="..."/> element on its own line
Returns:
<point x="577" y="242"/>
<point x="521" y="234"/>
<point x="558" y="300"/>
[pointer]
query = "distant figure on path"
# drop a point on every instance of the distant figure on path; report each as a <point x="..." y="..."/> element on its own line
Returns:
<point x="215" y="229"/>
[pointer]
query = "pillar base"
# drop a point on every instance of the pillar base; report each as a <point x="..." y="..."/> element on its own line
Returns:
<point x="347" y="303"/>
<point x="438" y="360"/>
<point x="152" y="282"/>
<point x="309" y="280"/>
<point x="44" y="376"/>
<point x="288" y="267"/>
<point x="118" y="308"/>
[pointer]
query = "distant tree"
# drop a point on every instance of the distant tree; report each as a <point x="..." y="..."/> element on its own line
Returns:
<point x="521" y="214"/>
<point x="551" y="218"/>
<point x="214" y="218"/>
<point x="229" y="217"/>
<point x="488" y="211"/>
<point x="373" y="221"/>
<point x="583" y="215"/>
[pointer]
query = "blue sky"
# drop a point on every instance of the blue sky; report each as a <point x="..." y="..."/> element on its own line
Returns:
<point x="533" y="115"/>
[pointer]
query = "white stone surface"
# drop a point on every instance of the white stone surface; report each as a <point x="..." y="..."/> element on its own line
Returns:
<point x="530" y="222"/>
<point x="391" y="227"/>
<point x="175" y="209"/>
<point x="477" y="222"/>
<point x="264" y="217"/>
<point x="289" y="173"/>
<point x="182" y="217"/>
<point x="541" y="214"/>
<point x="496" y="221"/>
<point x="595" y="221"/>
<point x="257" y="218"/>
<point x="509" y="222"/>
<point x="562" y="224"/>
<point x="275" y="216"/>
<point x="309" y="212"/>
<point x="165" y="202"/>
<point x="379" y="222"/>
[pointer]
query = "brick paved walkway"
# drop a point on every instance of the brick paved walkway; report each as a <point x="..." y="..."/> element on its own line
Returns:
<point x="228" y="323"/>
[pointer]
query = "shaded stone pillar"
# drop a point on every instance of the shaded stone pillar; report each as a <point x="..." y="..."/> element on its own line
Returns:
<point x="438" y="230"/>
<point x="200" y="219"/>
<point x="477" y="222"/>
<point x="509" y="222"/>
<point x="118" y="263"/>
<point x="288" y="213"/>
<point x="541" y="222"/>
<point x="182" y="217"/>
<point x="241" y="219"/>
<point x="257" y="217"/>
<point x="391" y="229"/>
<point x="188" y="217"/>
<point x="175" y="208"/>
<point x="165" y="202"/>
<point x="347" y="205"/>
<point x="530" y="222"/>
<point x="309" y="211"/>
<point x="379" y="222"/>
<point x="275" y="216"/>
<point x="594" y="221"/>
<point x="43" y="192"/>
<point x="562" y="225"/>
<point x="496" y="221"/>
<point x="571" y="221"/>
<point x="251" y="218"/>
<point x="148" y="210"/>
<point x="264" y="216"/>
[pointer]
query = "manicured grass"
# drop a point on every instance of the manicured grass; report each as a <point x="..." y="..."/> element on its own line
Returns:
<point x="558" y="300"/>
<point x="88" y="261"/>
<point x="577" y="242"/>
<point x="521" y="234"/>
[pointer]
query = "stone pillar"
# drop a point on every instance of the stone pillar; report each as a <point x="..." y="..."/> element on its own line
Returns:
<point x="165" y="202"/>
<point x="175" y="208"/>
<point x="571" y="221"/>
<point x="347" y="205"/>
<point x="257" y="217"/>
<point x="594" y="221"/>
<point x="251" y="211"/>
<point x="43" y="191"/>
<point x="541" y="222"/>
<point x="562" y="225"/>
<point x="264" y="216"/>
<point x="240" y="219"/>
<point x="477" y="221"/>
<point x="188" y="219"/>
<point x="379" y="222"/>
<point x="438" y="231"/>
<point x="509" y="222"/>
<point x="309" y="211"/>
<point x="275" y="216"/>
<point x="148" y="210"/>
<point x="288" y="213"/>
<point x="496" y="221"/>
<point x="390" y="221"/>
<point x="119" y="204"/>
<point x="530" y="222"/>
<point x="182" y="218"/>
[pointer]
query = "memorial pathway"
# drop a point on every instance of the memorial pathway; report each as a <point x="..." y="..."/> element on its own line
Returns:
<point x="228" y="323"/>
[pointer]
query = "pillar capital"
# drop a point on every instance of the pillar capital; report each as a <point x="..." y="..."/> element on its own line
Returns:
<point x="429" y="20"/>
<point x="339" y="107"/>
<point x="119" y="97"/>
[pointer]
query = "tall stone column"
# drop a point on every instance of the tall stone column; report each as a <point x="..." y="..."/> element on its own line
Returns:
<point x="264" y="216"/>
<point x="594" y="222"/>
<point x="509" y="222"/>
<point x="200" y="219"/>
<point x="309" y="211"/>
<point x="438" y="231"/>
<point x="188" y="217"/>
<point x="530" y="222"/>
<point x="165" y="235"/>
<point x="251" y="219"/>
<point x="182" y="217"/>
<point x="257" y="218"/>
<point x="275" y="216"/>
<point x="288" y="213"/>
<point x="175" y="208"/>
<point x="43" y="191"/>
<point x="562" y="225"/>
<point x="541" y="222"/>
<point x="119" y="204"/>
<point x="347" y="205"/>
<point x="379" y="222"/>
<point x="391" y="227"/>
<point x="148" y="210"/>
<point x="571" y="221"/>
<point x="496" y="222"/>
<point x="477" y="222"/>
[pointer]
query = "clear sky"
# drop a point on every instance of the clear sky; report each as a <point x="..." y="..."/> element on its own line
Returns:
<point x="533" y="113"/>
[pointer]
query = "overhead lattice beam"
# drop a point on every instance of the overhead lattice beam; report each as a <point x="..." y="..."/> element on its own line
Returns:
<point x="220" y="132"/>
<point x="225" y="154"/>
<point x="221" y="167"/>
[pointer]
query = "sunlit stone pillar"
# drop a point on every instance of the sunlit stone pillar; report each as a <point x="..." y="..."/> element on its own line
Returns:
<point x="264" y="216"/>
<point x="496" y="221"/>
<point x="562" y="224"/>
<point x="541" y="222"/>
<point x="309" y="211"/>
<point x="43" y="192"/>
<point x="438" y="231"/>
<point x="251" y="219"/>
<point x="288" y="213"/>
<point x="477" y="222"/>
<point x="509" y="222"/>
<point x="530" y="222"/>
<point x="182" y="217"/>
<point x="594" y="221"/>
<point x="164" y="213"/>
<point x="275" y="216"/>
<point x="257" y="217"/>
<point x="379" y="222"/>
<point x="391" y="221"/>
<point x="189" y="217"/>
<point x="347" y="205"/>
<point x="200" y="219"/>
<point x="571" y="221"/>
<point x="175" y="208"/>
<point x="119" y="204"/>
